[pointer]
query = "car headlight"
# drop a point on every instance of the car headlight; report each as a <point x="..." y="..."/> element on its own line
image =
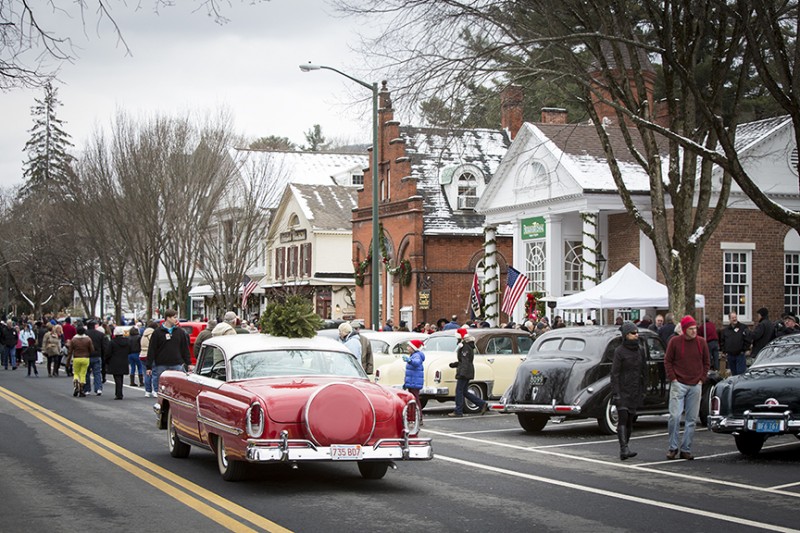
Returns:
<point x="255" y="420"/>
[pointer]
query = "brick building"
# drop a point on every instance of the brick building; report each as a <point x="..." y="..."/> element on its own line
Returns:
<point x="432" y="240"/>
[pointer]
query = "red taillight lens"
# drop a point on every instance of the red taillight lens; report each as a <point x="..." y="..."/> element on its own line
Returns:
<point x="377" y="375"/>
<point x="714" y="407"/>
<point x="255" y="420"/>
<point x="437" y="376"/>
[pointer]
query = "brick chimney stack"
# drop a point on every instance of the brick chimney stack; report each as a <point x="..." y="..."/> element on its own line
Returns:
<point x="511" y="106"/>
<point x="554" y="115"/>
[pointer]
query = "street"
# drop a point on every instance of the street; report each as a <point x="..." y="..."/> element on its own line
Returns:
<point x="94" y="464"/>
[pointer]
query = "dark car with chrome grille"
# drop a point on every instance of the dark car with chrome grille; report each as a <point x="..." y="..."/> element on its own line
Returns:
<point x="764" y="401"/>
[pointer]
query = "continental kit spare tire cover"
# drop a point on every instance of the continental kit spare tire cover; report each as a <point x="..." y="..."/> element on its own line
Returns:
<point x="339" y="413"/>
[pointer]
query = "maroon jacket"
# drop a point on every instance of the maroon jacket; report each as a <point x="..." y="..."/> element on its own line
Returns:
<point x="687" y="360"/>
<point x="708" y="331"/>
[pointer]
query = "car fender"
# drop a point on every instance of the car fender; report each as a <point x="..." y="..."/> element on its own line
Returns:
<point x="591" y="398"/>
<point x="223" y="415"/>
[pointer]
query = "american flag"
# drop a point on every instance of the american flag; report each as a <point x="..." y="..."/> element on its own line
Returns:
<point x="248" y="286"/>
<point x="516" y="283"/>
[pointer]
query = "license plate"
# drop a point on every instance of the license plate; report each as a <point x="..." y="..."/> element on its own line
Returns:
<point x="537" y="378"/>
<point x="345" y="452"/>
<point x="768" y="426"/>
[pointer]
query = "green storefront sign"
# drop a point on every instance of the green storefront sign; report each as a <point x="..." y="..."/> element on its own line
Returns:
<point x="533" y="228"/>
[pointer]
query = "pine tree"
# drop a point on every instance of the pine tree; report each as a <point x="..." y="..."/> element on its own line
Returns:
<point x="49" y="164"/>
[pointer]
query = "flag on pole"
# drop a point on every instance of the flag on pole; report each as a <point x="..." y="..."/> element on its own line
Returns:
<point x="248" y="286"/>
<point x="516" y="283"/>
<point x="475" y="298"/>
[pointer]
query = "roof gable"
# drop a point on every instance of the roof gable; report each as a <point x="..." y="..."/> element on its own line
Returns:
<point x="326" y="207"/>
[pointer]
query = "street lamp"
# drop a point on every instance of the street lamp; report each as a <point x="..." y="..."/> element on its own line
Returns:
<point x="375" y="318"/>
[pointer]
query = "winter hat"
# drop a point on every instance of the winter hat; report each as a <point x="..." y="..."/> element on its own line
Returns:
<point x="462" y="332"/>
<point x="628" y="327"/>
<point x="416" y="343"/>
<point x="687" y="322"/>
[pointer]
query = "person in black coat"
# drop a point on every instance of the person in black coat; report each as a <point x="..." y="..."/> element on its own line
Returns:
<point x="117" y="359"/>
<point x="465" y="371"/>
<point x="628" y="384"/>
<point x="29" y="355"/>
<point x="763" y="332"/>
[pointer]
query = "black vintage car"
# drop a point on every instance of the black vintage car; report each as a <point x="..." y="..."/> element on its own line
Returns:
<point x="762" y="402"/>
<point x="567" y="374"/>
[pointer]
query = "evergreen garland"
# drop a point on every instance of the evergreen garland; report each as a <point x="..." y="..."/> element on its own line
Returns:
<point x="402" y="271"/>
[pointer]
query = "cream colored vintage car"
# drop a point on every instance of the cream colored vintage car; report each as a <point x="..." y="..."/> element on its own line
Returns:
<point x="389" y="346"/>
<point x="498" y="353"/>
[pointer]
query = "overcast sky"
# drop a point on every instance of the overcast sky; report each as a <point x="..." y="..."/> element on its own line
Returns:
<point x="185" y="61"/>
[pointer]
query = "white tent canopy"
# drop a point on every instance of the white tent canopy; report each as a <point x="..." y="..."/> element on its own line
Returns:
<point x="629" y="287"/>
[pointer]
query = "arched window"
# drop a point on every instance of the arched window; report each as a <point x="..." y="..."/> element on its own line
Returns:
<point x="294" y="221"/>
<point x="467" y="185"/>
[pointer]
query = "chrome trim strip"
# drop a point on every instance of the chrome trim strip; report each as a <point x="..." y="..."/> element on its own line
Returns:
<point x="219" y="425"/>
<point x="182" y="403"/>
<point x="538" y="408"/>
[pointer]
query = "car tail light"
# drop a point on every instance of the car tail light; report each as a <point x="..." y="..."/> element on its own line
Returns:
<point x="377" y="375"/>
<point x="437" y="376"/>
<point x="255" y="420"/>
<point x="714" y="407"/>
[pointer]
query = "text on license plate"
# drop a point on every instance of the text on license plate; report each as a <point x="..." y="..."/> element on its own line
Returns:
<point x="768" y="426"/>
<point x="345" y="452"/>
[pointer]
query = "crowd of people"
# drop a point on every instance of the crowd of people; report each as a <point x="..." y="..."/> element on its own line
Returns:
<point x="90" y="350"/>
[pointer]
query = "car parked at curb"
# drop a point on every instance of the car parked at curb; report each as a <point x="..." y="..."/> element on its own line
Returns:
<point x="764" y="401"/>
<point x="262" y="399"/>
<point x="389" y="346"/>
<point x="567" y="375"/>
<point x="498" y="353"/>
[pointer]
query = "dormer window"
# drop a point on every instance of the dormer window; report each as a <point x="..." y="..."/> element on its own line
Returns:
<point x="463" y="185"/>
<point x="467" y="185"/>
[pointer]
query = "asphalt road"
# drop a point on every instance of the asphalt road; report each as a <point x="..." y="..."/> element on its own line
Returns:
<point x="96" y="464"/>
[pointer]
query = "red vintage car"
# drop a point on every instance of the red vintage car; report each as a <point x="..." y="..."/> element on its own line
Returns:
<point x="261" y="399"/>
<point x="193" y="329"/>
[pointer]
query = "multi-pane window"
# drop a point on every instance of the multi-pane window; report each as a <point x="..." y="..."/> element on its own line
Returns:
<point x="736" y="283"/>
<point x="535" y="265"/>
<point x="467" y="191"/>
<point x="292" y="262"/>
<point x="573" y="266"/>
<point x="357" y="179"/>
<point x="791" y="283"/>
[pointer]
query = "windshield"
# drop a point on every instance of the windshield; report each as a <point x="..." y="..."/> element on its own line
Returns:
<point x="441" y="344"/>
<point x="294" y="363"/>
<point x="778" y="354"/>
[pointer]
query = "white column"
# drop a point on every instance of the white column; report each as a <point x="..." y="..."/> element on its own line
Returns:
<point x="590" y="244"/>
<point x="554" y="271"/>
<point x="491" y="276"/>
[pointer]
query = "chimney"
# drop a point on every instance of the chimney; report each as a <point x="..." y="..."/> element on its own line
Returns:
<point x="554" y="115"/>
<point x="511" y="100"/>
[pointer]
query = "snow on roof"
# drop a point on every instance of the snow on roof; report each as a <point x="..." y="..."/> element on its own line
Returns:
<point x="751" y="133"/>
<point x="285" y="167"/>
<point x="431" y="151"/>
<point x="327" y="207"/>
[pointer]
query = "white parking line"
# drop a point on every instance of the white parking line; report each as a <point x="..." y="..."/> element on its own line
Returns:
<point x="602" y="492"/>
<point x="786" y="486"/>
<point x="630" y="466"/>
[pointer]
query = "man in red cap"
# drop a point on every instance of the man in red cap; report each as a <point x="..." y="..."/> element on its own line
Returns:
<point x="686" y="364"/>
<point x="415" y="371"/>
<point x="465" y="371"/>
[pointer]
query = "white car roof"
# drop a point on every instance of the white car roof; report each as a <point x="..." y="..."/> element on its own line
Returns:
<point x="232" y="344"/>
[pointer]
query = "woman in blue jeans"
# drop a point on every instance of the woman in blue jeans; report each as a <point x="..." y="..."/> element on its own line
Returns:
<point x="137" y="367"/>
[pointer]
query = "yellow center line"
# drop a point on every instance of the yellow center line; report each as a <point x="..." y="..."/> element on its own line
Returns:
<point x="123" y="457"/>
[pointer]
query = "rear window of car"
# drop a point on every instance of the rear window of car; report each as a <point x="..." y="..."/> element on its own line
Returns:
<point x="379" y="346"/>
<point x="441" y="344"/>
<point x="778" y="354"/>
<point x="559" y="344"/>
<point x="188" y="329"/>
<point x="524" y="343"/>
<point x="293" y="363"/>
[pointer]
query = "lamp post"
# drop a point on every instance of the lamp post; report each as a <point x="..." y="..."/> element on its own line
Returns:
<point x="375" y="317"/>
